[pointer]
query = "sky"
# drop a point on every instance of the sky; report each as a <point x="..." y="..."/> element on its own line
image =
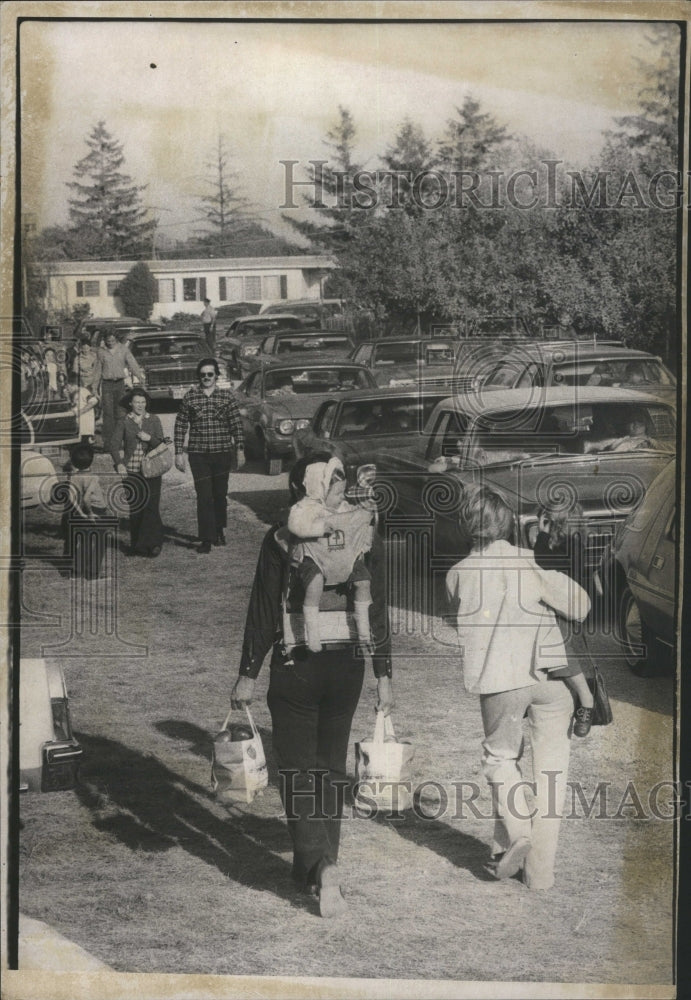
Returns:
<point x="166" y="90"/>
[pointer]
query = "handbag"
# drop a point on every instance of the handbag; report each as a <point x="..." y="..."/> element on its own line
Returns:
<point x="238" y="766"/>
<point x="602" y="710"/>
<point x="157" y="461"/>
<point x="383" y="770"/>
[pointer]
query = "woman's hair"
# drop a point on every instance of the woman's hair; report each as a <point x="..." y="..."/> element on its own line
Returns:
<point x="297" y="473"/>
<point x="485" y="515"/>
<point x="205" y="362"/>
<point x="137" y="392"/>
<point x="562" y="522"/>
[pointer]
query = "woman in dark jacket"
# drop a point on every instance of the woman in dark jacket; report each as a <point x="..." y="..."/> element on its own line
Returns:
<point x="312" y="698"/>
<point x="135" y="434"/>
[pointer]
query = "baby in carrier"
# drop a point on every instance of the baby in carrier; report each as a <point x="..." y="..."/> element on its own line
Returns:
<point x="333" y="538"/>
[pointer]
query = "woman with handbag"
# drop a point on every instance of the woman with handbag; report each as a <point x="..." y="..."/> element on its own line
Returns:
<point x="135" y="437"/>
<point x="312" y="698"/>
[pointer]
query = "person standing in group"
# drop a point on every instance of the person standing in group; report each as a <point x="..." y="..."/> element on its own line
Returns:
<point x="510" y="644"/>
<point x="85" y="366"/>
<point x="213" y="420"/>
<point x="312" y="697"/>
<point x="84" y="404"/>
<point x="209" y="321"/>
<point x="135" y="435"/>
<point x="113" y="357"/>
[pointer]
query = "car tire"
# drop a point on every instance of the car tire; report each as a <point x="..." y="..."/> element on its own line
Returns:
<point x="273" y="464"/>
<point x="642" y="653"/>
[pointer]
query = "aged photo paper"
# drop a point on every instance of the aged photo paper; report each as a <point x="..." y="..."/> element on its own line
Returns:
<point x="505" y="182"/>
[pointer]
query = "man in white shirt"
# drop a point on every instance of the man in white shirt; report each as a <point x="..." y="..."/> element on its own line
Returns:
<point x="209" y="321"/>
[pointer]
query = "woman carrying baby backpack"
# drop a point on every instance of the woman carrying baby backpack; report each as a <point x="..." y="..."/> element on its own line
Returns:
<point x="312" y="695"/>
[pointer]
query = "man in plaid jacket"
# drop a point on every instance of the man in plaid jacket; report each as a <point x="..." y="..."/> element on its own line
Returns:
<point x="213" y="420"/>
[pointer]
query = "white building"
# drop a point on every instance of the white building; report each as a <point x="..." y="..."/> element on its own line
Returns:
<point x="184" y="284"/>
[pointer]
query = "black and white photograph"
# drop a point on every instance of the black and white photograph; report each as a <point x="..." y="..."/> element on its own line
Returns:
<point x="343" y="429"/>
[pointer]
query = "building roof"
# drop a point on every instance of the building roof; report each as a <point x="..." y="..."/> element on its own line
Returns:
<point x="298" y="261"/>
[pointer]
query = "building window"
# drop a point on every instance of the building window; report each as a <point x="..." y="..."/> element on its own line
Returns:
<point x="284" y="286"/>
<point x="272" y="286"/>
<point x="253" y="287"/>
<point x="165" y="290"/>
<point x="194" y="289"/>
<point x="112" y="288"/>
<point x="230" y="289"/>
<point x="88" y="289"/>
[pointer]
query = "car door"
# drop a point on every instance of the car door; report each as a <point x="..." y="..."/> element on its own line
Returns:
<point x="652" y="574"/>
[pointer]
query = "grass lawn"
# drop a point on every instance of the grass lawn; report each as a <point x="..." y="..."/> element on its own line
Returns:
<point x="143" y="868"/>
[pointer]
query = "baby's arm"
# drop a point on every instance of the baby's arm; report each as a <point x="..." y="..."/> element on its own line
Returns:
<point x="307" y="519"/>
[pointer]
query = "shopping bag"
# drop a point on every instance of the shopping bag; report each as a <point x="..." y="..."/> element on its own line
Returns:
<point x="602" y="710"/>
<point x="383" y="770"/>
<point x="157" y="461"/>
<point x="238" y="765"/>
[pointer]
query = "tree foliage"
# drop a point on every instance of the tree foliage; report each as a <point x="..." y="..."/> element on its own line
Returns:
<point x="137" y="291"/>
<point x="223" y="206"/>
<point x="107" y="217"/>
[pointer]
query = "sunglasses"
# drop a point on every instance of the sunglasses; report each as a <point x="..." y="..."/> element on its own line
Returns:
<point x="208" y="374"/>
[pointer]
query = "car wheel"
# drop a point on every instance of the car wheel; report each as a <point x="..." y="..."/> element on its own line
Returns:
<point x="273" y="464"/>
<point x="641" y="652"/>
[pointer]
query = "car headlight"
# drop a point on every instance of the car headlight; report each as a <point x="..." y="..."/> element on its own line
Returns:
<point x="301" y="425"/>
<point x="285" y="426"/>
<point x="249" y="349"/>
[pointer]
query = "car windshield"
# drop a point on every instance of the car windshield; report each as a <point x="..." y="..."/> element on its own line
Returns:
<point x="614" y="372"/>
<point x="287" y="345"/>
<point x="159" y="347"/>
<point x="314" y="380"/>
<point x="368" y="418"/>
<point x="512" y="435"/>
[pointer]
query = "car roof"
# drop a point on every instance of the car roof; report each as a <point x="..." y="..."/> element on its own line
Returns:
<point x="181" y="332"/>
<point x="581" y="349"/>
<point x="438" y="338"/>
<point x="394" y="392"/>
<point x="529" y="397"/>
<point x="327" y="363"/>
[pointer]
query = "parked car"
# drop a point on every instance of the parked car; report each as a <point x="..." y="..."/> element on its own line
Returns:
<point x="49" y="754"/>
<point x="37" y="480"/>
<point x="406" y="360"/>
<point x="358" y="425"/>
<point x="230" y="311"/>
<point x="298" y="342"/>
<point x="281" y="398"/>
<point x="244" y="336"/>
<point x="123" y="327"/>
<point x="579" y="363"/>
<point x="530" y="449"/>
<point x="169" y="359"/>
<point x="637" y="577"/>
<point x="318" y="309"/>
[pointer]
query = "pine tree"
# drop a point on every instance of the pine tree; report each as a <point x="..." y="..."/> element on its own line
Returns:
<point x="472" y="139"/>
<point x="106" y="213"/>
<point x="223" y="207"/>
<point x="408" y="159"/>
<point x="336" y="191"/>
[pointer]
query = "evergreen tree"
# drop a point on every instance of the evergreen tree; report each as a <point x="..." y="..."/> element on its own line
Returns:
<point x="106" y="213"/>
<point x="223" y="207"/>
<point x="137" y="291"/>
<point x="472" y="140"/>
<point x="336" y="190"/>
<point x="409" y="158"/>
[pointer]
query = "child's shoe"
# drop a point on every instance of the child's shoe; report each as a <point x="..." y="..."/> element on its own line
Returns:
<point x="583" y="720"/>
<point x="312" y="633"/>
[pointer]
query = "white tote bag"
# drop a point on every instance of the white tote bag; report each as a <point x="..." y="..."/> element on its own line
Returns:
<point x="383" y="770"/>
<point x="238" y="767"/>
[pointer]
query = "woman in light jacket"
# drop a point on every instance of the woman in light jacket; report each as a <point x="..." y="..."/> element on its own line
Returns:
<point x="510" y="644"/>
<point x="135" y="434"/>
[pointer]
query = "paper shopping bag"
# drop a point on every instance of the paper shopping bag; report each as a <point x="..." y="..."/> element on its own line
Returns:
<point x="383" y="770"/>
<point x="238" y="763"/>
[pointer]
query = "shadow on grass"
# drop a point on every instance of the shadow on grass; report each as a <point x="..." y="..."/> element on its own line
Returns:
<point x="461" y="849"/>
<point x="269" y="506"/>
<point x="146" y="806"/>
